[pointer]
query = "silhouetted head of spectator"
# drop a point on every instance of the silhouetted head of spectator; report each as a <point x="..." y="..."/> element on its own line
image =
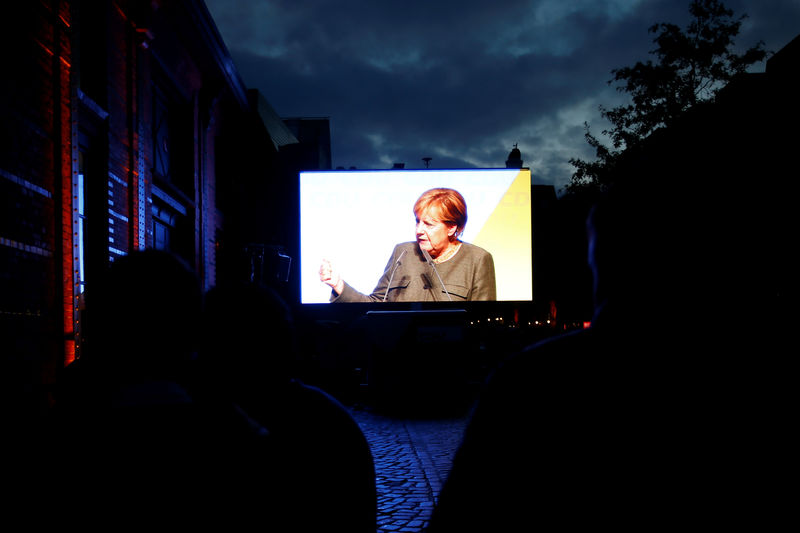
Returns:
<point x="147" y="312"/>
<point x="248" y="339"/>
<point x="640" y="251"/>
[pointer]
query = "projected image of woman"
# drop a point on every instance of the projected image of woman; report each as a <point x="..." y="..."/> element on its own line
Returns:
<point x="437" y="266"/>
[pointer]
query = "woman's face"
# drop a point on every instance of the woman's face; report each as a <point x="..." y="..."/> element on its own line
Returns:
<point x="433" y="235"/>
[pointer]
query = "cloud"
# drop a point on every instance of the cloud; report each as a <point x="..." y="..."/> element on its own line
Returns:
<point x="460" y="82"/>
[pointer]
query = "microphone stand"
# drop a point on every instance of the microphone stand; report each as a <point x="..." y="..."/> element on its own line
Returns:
<point x="396" y="265"/>
<point x="429" y="259"/>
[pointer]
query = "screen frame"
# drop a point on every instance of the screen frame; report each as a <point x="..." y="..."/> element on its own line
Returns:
<point x="455" y="178"/>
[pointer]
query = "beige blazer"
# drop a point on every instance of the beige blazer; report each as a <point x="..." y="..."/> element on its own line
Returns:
<point x="468" y="275"/>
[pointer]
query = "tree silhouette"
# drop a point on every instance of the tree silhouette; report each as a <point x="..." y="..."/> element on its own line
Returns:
<point x="691" y="66"/>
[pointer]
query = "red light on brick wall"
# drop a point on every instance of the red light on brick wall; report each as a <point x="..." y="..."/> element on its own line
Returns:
<point x="66" y="168"/>
<point x="69" y="352"/>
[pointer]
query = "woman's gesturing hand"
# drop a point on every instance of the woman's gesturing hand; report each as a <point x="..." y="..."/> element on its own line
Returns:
<point x="329" y="276"/>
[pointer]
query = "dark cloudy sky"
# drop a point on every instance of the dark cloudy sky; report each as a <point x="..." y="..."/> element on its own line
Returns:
<point x="458" y="81"/>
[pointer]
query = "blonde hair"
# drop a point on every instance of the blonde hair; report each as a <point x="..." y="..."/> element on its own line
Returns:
<point x="446" y="205"/>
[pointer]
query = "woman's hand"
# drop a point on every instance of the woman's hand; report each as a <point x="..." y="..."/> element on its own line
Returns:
<point x="330" y="277"/>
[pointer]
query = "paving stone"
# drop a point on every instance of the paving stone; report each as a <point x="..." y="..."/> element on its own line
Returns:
<point x="412" y="459"/>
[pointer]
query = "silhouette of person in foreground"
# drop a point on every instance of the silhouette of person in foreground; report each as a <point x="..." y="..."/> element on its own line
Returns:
<point x="645" y="418"/>
<point x="134" y="447"/>
<point x="321" y="472"/>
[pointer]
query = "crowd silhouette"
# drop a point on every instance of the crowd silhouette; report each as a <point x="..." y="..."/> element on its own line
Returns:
<point x="322" y="472"/>
<point x="184" y="412"/>
<point x="589" y="428"/>
<point x="670" y="410"/>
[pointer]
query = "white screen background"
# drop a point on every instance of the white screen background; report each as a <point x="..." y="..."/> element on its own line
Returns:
<point x="355" y="218"/>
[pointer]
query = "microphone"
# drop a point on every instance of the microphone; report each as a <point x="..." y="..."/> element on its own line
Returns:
<point x="396" y="264"/>
<point x="429" y="259"/>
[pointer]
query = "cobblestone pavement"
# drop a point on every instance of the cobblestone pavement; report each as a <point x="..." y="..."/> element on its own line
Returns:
<point x="412" y="458"/>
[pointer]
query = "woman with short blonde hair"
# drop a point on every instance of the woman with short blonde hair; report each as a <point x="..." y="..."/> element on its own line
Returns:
<point x="446" y="204"/>
<point x="437" y="266"/>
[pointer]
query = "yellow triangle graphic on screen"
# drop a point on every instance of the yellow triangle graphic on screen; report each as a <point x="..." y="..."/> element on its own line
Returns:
<point x="507" y="236"/>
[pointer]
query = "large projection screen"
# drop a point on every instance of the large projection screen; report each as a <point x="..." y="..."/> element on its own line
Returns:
<point x="355" y="218"/>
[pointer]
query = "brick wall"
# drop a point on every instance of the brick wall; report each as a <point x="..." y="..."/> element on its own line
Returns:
<point x="34" y="168"/>
<point x="74" y="108"/>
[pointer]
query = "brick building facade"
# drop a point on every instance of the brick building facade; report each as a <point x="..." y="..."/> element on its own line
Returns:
<point x="125" y="126"/>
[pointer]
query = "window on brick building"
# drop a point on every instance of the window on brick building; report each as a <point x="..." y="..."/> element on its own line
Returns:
<point x="91" y="44"/>
<point x="91" y="194"/>
<point x="173" y="170"/>
<point x="163" y="226"/>
<point x="171" y="224"/>
<point x="80" y="242"/>
<point x="161" y="235"/>
<point x="173" y="139"/>
<point x="161" y="135"/>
